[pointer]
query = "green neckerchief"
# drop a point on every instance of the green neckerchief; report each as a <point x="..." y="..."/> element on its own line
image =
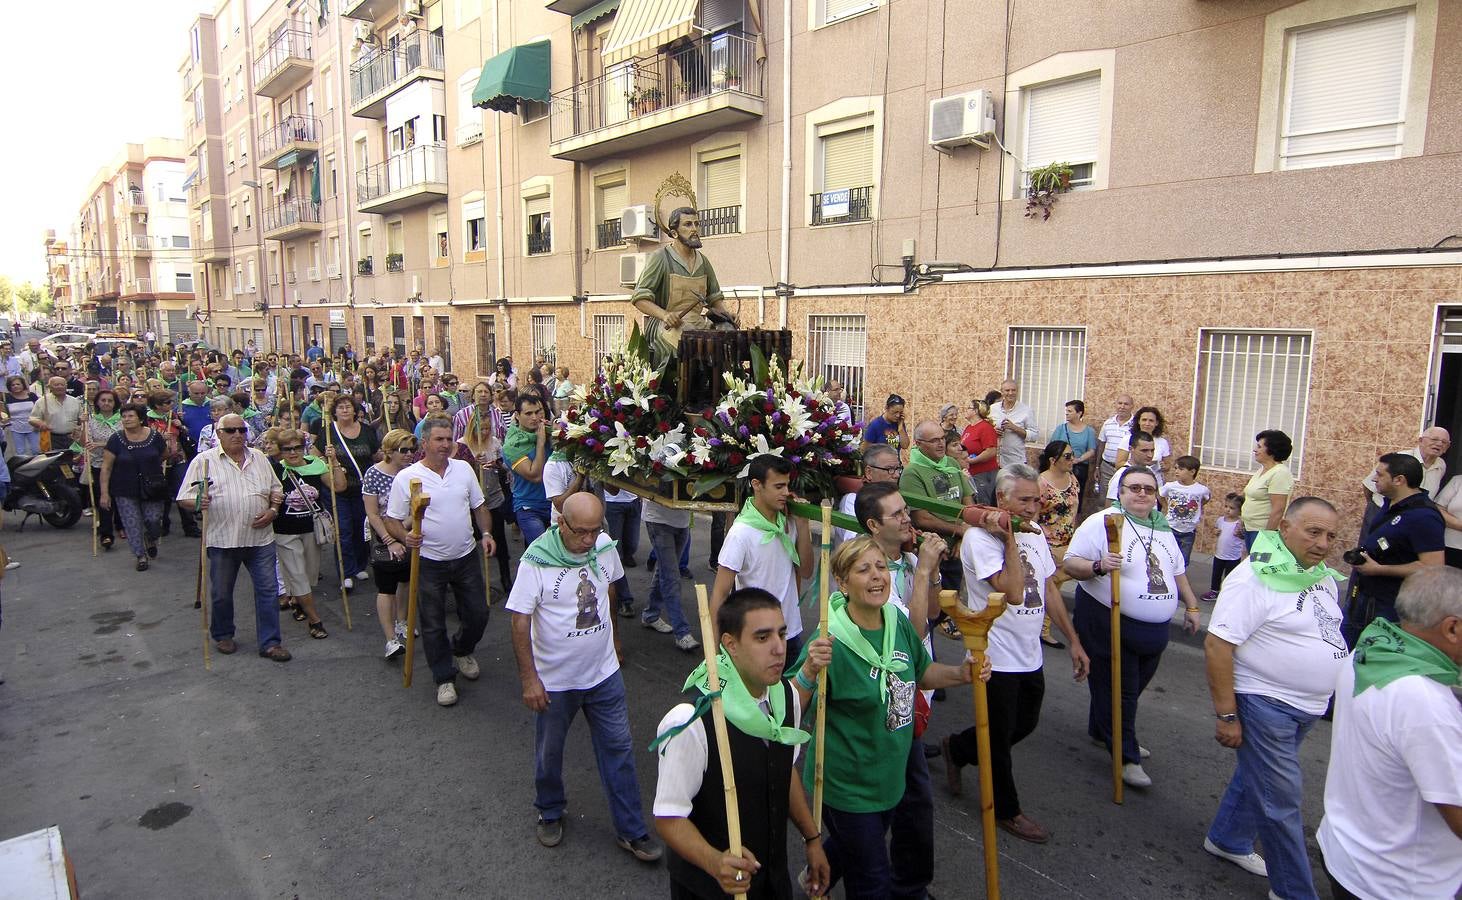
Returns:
<point x="314" y="465"/>
<point x="752" y="516"/>
<point x="842" y="627"/>
<point x="1278" y="570"/>
<point x="188" y="401"/>
<point x="740" y="707"/>
<point x="519" y="441"/>
<point x="1386" y="652"/>
<point x="452" y="394"/>
<point x="252" y="413"/>
<point x="154" y="414"/>
<point x="905" y="571"/>
<point x="548" y="552"/>
<point x="111" y="421"/>
<point x="1155" y="520"/>
<point x="558" y="456"/>
<point x="917" y="458"/>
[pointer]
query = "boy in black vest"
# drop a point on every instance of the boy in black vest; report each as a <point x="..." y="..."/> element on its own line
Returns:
<point x="762" y="715"/>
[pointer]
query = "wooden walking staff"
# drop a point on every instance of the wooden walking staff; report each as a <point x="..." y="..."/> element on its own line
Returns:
<point x="1114" y="545"/>
<point x="327" y="402"/>
<point x="86" y="479"/>
<point x="976" y="630"/>
<point x="486" y="579"/>
<point x="711" y="644"/>
<point x="418" y="509"/>
<point x="203" y="591"/>
<point x="825" y="575"/>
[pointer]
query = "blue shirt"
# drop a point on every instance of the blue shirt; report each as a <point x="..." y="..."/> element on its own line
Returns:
<point x="314" y="353"/>
<point x="527" y="494"/>
<point x="882" y="431"/>
<point x="1079" y="441"/>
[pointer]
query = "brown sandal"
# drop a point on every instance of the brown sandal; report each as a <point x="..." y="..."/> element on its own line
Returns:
<point x="317" y="631"/>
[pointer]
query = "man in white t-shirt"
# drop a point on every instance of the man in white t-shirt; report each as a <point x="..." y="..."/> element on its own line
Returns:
<point x="1015" y="422"/>
<point x="766" y="548"/>
<point x="1115" y="433"/>
<point x="566" y="641"/>
<point x="1021" y="567"/>
<point x="448" y="554"/>
<point x="1393" y="794"/>
<point x="1274" y="649"/>
<point x="1140" y="447"/>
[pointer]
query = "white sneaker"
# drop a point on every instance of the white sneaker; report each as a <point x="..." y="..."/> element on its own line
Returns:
<point x="1252" y="863"/>
<point x="362" y="575"/>
<point x="347" y="584"/>
<point x="400" y="630"/>
<point x="659" y="625"/>
<point x="12" y="565"/>
<point x="687" y="642"/>
<point x="446" y="694"/>
<point x="1133" y="775"/>
<point x="86" y="512"/>
<point x="394" y="649"/>
<point x="468" y="668"/>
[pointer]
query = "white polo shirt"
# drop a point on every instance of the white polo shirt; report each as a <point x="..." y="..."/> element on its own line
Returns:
<point x="446" y="526"/>
<point x="1114" y="436"/>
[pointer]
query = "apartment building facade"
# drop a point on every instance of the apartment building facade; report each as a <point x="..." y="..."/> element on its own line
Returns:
<point x="130" y="251"/>
<point x="58" y="278"/>
<point x="1253" y="228"/>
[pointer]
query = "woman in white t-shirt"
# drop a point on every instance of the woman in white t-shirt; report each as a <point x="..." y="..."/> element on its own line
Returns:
<point x="1152" y="582"/>
<point x="1150" y="420"/>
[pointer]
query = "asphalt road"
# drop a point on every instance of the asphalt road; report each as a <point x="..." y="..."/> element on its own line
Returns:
<point x="322" y="777"/>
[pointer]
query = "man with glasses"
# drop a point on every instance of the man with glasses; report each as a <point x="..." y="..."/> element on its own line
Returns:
<point x="1139" y="456"/>
<point x="245" y="498"/>
<point x="932" y="473"/>
<point x="11" y="364"/>
<point x="1019" y="565"/>
<point x="448" y="554"/>
<point x="566" y="641"/>
<point x="880" y="466"/>
<point x="74" y="386"/>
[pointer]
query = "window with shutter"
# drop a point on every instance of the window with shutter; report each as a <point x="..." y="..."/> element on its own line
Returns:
<point x="613" y="198"/>
<point x="847" y="159"/>
<point x="1345" y="96"/>
<point x="719" y="15"/>
<point x="841" y="9"/>
<point x="721" y="182"/>
<point x="538" y="206"/>
<point x="1063" y="124"/>
<point x="1049" y="364"/>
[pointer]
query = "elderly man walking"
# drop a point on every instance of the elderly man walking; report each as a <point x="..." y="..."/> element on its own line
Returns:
<point x="932" y="473"/>
<point x="1274" y="650"/>
<point x="1015" y="422"/>
<point x="1393" y="793"/>
<point x="57" y="413"/>
<point x="245" y="497"/>
<point x="448" y="554"/>
<point x="566" y="641"/>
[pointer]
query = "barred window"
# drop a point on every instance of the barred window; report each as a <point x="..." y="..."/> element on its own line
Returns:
<point x="1049" y="365"/>
<point x="1248" y="382"/>
<point x="837" y="350"/>
<point x="609" y="338"/>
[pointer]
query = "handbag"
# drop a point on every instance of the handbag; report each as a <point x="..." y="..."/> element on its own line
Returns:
<point x="320" y="521"/>
<point x="151" y="488"/>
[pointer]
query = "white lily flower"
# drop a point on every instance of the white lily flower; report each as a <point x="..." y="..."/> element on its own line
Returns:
<point x="700" y="450"/>
<point x="759" y="447"/>
<point x="799" y="422"/>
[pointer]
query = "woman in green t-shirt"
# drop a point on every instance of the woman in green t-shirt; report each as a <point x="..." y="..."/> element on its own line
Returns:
<point x="874" y="772"/>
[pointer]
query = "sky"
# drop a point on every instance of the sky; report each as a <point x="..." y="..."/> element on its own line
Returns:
<point x="102" y="74"/>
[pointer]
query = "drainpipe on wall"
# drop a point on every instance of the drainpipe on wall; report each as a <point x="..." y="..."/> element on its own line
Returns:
<point x="497" y="167"/>
<point x="578" y="247"/>
<point x="784" y="271"/>
<point x="346" y="156"/>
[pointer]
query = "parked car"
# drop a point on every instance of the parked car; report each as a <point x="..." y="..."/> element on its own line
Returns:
<point x="66" y="340"/>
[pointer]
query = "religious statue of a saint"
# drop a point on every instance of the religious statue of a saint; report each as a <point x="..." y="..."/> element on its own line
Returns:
<point x="678" y="289"/>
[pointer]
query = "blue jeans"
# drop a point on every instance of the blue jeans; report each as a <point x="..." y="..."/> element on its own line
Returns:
<point x="531" y="522"/>
<point x="1249" y="538"/>
<point x="622" y="522"/>
<point x="684" y="554"/>
<point x="25" y="443"/>
<point x="604" y="707"/>
<point x="354" y="551"/>
<point x="669" y="543"/>
<point x="873" y="867"/>
<point x="223" y="571"/>
<point x="1264" y="795"/>
<point x="1185" y="543"/>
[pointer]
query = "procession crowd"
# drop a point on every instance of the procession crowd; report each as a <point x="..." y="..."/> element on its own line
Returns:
<point x="280" y="463"/>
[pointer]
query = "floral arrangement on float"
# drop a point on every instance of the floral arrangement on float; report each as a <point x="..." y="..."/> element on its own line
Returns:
<point x="624" y="429"/>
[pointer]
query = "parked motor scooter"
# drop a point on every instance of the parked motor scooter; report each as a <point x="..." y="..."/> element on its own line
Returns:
<point x="42" y="485"/>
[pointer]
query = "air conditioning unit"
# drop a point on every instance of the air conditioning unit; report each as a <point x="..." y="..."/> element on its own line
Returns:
<point x="962" y="119"/>
<point x="274" y="278"/>
<point x="313" y="273"/>
<point x="637" y="222"/>
<point x="363" y="32"/>
<point x="630" y="267"/>
<point x="290" y="278"/>
<point x="332" y="270"/>
<point x="410" y="7"/>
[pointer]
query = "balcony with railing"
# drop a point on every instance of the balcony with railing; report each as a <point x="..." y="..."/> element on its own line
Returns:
<point x="142" y="244"/>
<point x="134" y="198"/>
<point x="540" y="243"/>
<point x="291" y="218"/>
<point x="286" y="64"/>
<point x="410" y="178"/>
<point x="719" y="220"/>
<point x="142" y="285"/>
<point x="711" y="84"/>
<point x="843" y="206"/>
<point x="388" y="69"/>
<point x="608" y="234"/>
<point x="281" y="146"/>
<point x="368" y="10"/>
<point x="365" y="266"/>
<point x="395" y="262"/>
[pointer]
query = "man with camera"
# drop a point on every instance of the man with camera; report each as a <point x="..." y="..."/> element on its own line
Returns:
<point x="1406" y="536"/>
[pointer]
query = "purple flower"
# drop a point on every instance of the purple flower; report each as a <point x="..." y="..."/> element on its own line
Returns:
<point x="604" y="429"/>
<point x="777" y="417"/>
<point x="796" y="460"/>
<point x="724" y="416"/>
<point x="744" y="431"/>
<point x="714" y="442"/>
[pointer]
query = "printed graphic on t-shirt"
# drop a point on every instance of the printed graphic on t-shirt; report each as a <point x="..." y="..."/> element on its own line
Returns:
<point x="588" y="602"/>
<point x="1156" y="582"/>
<point x="1328" y="625"/>
<point x="1032" y="586"/>
<point x="900" y="698"/>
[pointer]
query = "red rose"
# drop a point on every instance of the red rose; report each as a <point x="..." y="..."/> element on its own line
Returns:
<point x="701" y="432"/>
<point x="707" y="413"/>
<point x="708" y="464"/>
<point x="664" y="427"/>
<point x="642" y="442"/>
<point x="654" y="383"/>
<point x="755" y="421"/>
<point x="659" y="403"/>
<point x="735" y="459"/>
<point x="768" y="406"/>
<point x="572" y="415"/>
<point x="657" y="466"/>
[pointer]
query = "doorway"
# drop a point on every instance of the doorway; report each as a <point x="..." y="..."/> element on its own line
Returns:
<point x="1444" y="389"/>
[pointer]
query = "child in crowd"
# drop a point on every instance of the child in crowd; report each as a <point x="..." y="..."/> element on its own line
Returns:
<point x="1183" y="500"/>
<point x="1230" y="548"/>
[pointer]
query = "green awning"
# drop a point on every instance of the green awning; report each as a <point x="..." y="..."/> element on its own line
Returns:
<point x="602" y="8"/>
<point x="287" y="160"/>
<point x="517" y="74"/>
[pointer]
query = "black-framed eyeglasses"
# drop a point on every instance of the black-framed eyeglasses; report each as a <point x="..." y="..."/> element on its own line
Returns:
<point x="595" y="529"/>
<point x="1068" y="455"/>
<point x="1140" y="488"/>
<point x="897" y="470"/>
<point x="292" y="448"/>
<point x="239" y="430"/>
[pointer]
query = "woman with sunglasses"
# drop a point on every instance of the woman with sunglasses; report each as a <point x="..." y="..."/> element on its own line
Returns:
<point x="1152" y="583"/>
<point x="388" y="557"/>
<point x="132" y="476"/>
<point x="303" y="479"/>
<point x="105" y="420"/>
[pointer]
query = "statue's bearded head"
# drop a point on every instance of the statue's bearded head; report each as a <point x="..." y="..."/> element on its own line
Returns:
<point x="685" y="227"/>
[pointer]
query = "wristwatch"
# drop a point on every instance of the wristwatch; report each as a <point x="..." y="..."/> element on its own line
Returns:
<point x="1096" y="568"/>
<point x="1227" y="717"/>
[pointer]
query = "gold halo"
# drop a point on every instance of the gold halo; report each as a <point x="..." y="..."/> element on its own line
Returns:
<point x="674" y="186"/>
